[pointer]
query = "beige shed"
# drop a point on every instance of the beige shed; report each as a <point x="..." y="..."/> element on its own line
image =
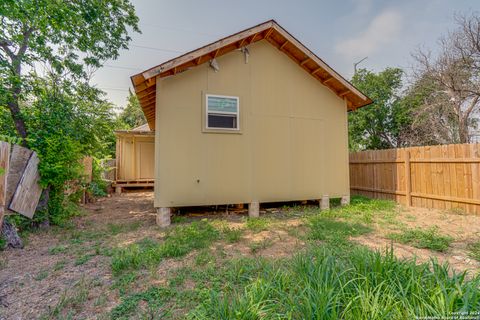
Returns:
<point x="254" y="117"/>
<point x="135" y="152"/>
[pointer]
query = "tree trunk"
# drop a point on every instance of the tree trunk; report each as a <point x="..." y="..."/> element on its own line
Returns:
<point x="17" y="117"/>
<point x="9" y="232"/>
<point x="463" y="130"/>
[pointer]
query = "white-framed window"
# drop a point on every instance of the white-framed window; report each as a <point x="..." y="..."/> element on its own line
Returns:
<point x="222" y="112"/>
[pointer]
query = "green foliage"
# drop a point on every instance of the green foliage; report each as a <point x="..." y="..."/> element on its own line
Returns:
<point x="257" y="224"/>
<point x="423" y="239"/>
<point x="132" y="116"/>
<point x="97" y="187"/>
<point x="327" y="284"/>
<point x="64" y="117"/>
<point x="381" y="124"/>
<point x="68" y="36"/>
<point x="178" y="242"/>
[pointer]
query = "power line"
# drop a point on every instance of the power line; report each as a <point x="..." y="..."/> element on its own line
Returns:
<point x="115" y="89"/>
<point x="180" y="29"/>
<point x="122" y="67"/>
<point x="156" y="49"/>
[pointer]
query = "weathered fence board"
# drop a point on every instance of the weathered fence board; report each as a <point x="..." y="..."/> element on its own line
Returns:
<point x="4" y="164"/>
<point x="440" y="177"/>
<point x="18" y="162"/>
<point x="27" y="195"/>
<point x="87" y="163"/>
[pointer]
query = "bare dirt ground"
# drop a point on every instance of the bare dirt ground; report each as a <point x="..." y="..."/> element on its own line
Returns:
<point x="66" y="272"/>
<point x="464" y="229"/>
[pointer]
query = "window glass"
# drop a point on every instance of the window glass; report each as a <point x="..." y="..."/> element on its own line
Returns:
<point x="222" y="112"/>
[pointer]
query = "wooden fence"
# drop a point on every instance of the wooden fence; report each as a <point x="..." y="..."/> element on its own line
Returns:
<point x="441" y="177"/>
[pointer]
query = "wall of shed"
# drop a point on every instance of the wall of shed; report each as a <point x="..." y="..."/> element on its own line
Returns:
<point x="135" y="157"/>
<point x="293" y="143"/>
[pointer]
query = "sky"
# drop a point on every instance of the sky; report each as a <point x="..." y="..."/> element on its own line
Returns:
<point x="340" y="32"/>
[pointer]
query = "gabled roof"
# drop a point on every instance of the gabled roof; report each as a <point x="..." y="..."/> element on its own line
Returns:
<point x="145" y="82"/>
<point x="143" y="127"/>
<point x="140" y="130"/>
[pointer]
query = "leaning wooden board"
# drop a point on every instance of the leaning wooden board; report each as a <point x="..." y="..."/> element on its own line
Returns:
<point x="28" y="192"/>
<point x="19" y="157"/>
<point x="4" y="164"/>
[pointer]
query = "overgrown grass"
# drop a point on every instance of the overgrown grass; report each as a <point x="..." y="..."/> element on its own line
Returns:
<point x="474" y="250"/>
<point x="257" y="224"/>
<point x="334" y="279"/>
<point x="355" y="284"/>
<point x="57" y="249"/>
<point x="256" y="246"/>
<point x="423" y="239"/>
<point x="333" y="231"/>
<point x="71" y="301"/>
<point x="178" y="242"/>
<point x="154" y="298"/>
<point x="364" y="210"/>
<point x="231" y="234"/>
<point x="114" y="229"/>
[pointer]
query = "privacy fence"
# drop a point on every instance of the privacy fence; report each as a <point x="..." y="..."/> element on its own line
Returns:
<point x="440" y="177"/>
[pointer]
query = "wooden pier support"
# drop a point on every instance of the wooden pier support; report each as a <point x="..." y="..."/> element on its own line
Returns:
<point x="325" y="202"/>
<point x="254" y="209"/>
<point x="163" y="217"/>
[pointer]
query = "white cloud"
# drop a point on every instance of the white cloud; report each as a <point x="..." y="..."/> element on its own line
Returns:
<point x="382" y="30"/>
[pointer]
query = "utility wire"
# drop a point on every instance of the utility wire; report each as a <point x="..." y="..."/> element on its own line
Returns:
<point x="115" y="89"/>
<point x="180" y="29"/>
<point x="121" y="67"/>
<point x="157" y="49"/>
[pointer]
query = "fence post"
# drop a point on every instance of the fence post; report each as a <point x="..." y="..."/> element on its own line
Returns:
<point x="408" y="188"/>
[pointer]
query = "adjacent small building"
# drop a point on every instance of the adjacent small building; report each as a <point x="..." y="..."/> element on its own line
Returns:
<point x="254" y="117"/>
<point x="135" y="156"/>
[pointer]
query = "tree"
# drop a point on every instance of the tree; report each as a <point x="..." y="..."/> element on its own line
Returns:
<point x="454" y="73"/>
<point x="68" y="37"/>
<point x="433" y="122"/>
<point x="132" y="116"/>
<point x="383" y="123"/>
<point x="48" y="50"/>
